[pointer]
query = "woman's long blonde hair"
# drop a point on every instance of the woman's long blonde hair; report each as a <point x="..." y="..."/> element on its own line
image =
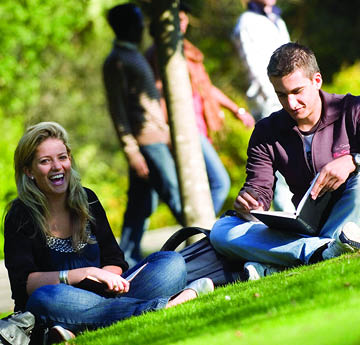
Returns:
<point x="34" y="198"/>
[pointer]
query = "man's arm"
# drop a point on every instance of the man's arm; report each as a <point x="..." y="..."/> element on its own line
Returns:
<point x="257" y="192"/>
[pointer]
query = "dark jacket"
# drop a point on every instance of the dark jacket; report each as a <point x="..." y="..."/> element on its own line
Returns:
<point x="26" y="251"/>
<point x="276" y="144"/>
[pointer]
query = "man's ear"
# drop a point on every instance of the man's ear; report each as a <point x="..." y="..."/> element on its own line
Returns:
<point x="317" y="79"/>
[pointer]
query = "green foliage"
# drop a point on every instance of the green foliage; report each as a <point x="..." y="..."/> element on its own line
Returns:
<point x="11" y="132"/>
<point x="28" y="43"/>
<point x="328" y="28"/>
<point x="111" y="190"/>
<point x="317" y="304"/>
<point x="232" y="144"/>
<point x="346" y="80"/>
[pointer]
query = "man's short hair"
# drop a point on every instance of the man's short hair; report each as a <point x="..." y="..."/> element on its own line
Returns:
<point x="290" y="57"/>
<point x="126" y="20"/>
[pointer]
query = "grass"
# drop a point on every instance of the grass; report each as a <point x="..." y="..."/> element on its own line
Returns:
<point x="318" y="304"/>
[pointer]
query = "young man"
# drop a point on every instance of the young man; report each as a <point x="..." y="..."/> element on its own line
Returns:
<point x="134" y="106"/>
<point x="314" y="132"/>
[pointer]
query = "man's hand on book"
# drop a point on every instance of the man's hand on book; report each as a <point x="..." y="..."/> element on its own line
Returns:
<point x="333" y="175"/>
<point x="246" y="201"/>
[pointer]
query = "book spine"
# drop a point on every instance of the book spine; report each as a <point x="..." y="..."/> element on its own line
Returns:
<point x="309" y="228"/>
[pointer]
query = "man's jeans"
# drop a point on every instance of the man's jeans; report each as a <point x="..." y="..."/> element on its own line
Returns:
<point x="76" y="309"/>
<point x="143" y="197"/>
<point x="254" y="241"/>
<point x="219" y="180"/>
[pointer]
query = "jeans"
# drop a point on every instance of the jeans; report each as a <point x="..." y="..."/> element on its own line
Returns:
<point x="76" y="309"/>
<point x="143" y="197"/>
<point x="219" y="180"/>
<point x="254" y="241"/>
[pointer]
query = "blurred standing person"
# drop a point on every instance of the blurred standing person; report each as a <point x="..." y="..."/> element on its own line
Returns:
<point x="134" y="106"/>
<point x="208" y="100"/>
<point x="258" y="32"/>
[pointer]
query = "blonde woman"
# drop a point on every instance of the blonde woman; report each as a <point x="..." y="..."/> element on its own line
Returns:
<point x="57" y="234"/>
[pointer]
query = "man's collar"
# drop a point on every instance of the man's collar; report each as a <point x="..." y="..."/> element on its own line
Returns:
<point x="258" y="8"/>
<point x="126" y="44"/>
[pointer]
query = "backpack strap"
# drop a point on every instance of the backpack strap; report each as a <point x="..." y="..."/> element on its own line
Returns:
<point x="182" y="235"/>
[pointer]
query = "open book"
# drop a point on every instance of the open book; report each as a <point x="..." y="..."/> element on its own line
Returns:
<point x="308" y="218"/>
<point x="92" y="284"/>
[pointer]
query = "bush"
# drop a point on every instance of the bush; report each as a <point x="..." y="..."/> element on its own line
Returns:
<point x="12" y="129"/>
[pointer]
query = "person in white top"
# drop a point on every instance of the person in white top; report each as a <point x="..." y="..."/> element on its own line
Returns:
<point x="258" y="32"/>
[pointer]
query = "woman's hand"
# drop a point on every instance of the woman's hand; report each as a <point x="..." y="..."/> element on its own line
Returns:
<point x="114" y="282"/>
<point x="246" y="118"/>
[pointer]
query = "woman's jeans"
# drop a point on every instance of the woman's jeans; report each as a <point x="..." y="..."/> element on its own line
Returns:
<point x="254" y="241"/>
<point x="219" y="180"/>
<point x="76" y="309"/>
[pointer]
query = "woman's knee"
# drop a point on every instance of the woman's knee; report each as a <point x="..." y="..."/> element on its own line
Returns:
<point x="42" y="298"/>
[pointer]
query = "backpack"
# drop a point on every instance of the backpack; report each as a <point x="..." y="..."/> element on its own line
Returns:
<point x="201" y="258"/>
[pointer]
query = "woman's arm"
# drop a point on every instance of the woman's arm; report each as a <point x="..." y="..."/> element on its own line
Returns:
<point x="227" y="103"/>
<point x="107" y="275"/>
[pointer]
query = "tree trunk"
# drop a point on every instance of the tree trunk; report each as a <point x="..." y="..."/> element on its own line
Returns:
<point x="194" y="186"/>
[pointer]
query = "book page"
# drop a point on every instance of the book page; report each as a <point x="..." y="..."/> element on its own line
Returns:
<point x="304" y="198"/>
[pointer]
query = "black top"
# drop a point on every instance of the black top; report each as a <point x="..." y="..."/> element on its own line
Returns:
<point x="26" y="251"/>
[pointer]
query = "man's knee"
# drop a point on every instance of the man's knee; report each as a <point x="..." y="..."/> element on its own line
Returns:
<point x="218" y="236"/>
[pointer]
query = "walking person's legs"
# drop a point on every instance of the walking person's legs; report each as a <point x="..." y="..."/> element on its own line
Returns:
<point x="142" y="201"/>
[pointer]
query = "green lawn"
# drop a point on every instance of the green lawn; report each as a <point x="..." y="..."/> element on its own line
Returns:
<point x="318" y="304"/>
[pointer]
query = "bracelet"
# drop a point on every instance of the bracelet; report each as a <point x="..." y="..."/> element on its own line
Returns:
<point x="241" y="111"/>
<point x="63" y="277"/>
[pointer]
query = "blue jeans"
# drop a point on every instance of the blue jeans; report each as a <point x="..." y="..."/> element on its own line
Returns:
<point x="219" y="180"/>
<point x="254" y="241"/>
<point x="143" y="197"/>
<point x="76" y="309"/>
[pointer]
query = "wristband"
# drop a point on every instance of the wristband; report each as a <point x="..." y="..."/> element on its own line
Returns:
<point x="63" y="277"/>
<point x="241" y="111"/>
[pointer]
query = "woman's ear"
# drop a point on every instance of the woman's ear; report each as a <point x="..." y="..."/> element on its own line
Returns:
<point x="27" y="172"/>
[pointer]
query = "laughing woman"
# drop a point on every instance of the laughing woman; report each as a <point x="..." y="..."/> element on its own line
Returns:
<point x="57" y="234"/>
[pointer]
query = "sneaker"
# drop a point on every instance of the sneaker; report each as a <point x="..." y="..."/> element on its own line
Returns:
<point x="257" y="270"/>
<point x="58" y="334"/>
<point x="201" y="286"/>
<point x="346" y="241"/>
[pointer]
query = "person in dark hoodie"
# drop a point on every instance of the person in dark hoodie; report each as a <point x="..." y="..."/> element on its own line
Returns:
<point x="134" y="107"/>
